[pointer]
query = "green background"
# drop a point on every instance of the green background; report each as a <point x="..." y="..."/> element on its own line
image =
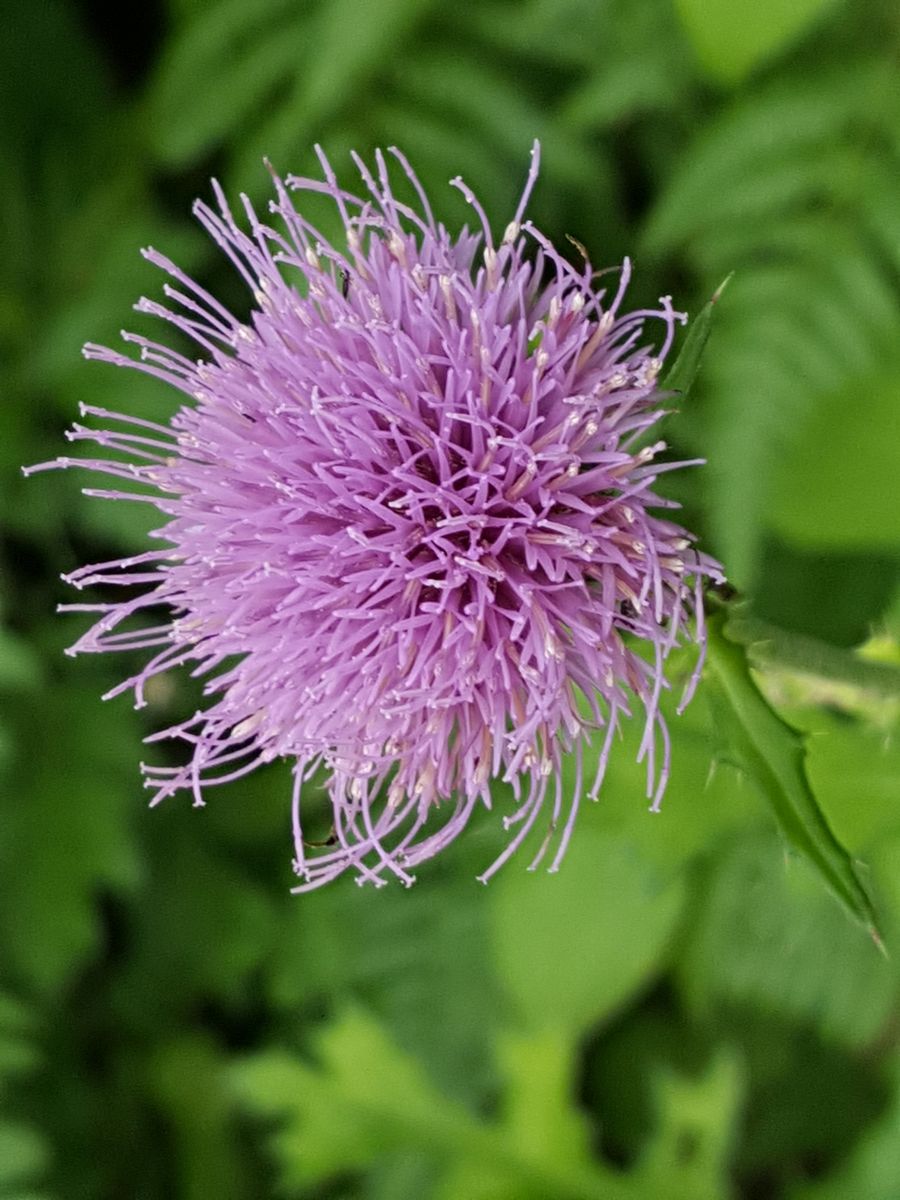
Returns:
<point x="683" y="1011"/>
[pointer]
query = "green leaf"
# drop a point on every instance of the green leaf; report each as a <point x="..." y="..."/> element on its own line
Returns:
<point x="683" y="372"/>
<point x="689" y="1156"/>
<point x="201" y="929"/>
<point x="417" y="957"/>
<point x="208" y="1154"/>
<point x="192" y="114"/>
<point x="790" y="337"/>
<point x="644" y="68"/>
<point x="845" y="495"/>
<point x="353" y="42"/>
<point x="368" y="1099"/>
<point x="771" y="754"/>
<point x="367" y="1102"/>
<point x="17" y="1050"/>
<point x="733" y="37"/>
<point x="857" y="588"/>
<point x="539" y="1070"/>
<point x="872" y="1169"/>
<point x="562" y="34"/>
<point x="854" y="769"/>
<point x="537" y="1113"/>
<point x="767" y="940"/>
<point x="618" y="914"/>
<point x="238" y="66"/>
<point x="19" y="666"/>
<point x="214" y="70"/>
<point x="66" y="829"/>
<point x="737" y="163"/>
<point x="23" y="1155"/>
<point x="773" y="188"/>
<point x="493" y="106"/>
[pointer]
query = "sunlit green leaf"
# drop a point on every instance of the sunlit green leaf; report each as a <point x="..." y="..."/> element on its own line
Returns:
<point x="572" y="947"/>
<point x="734" y="36"/>
<point x="846" y="494"/>
<point x="537" y="1110"/>
<point x="688" y="1158"/>
<point x="368" y="1098"/>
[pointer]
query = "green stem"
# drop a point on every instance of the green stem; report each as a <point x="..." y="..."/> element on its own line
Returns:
<point x="768" y="645"/>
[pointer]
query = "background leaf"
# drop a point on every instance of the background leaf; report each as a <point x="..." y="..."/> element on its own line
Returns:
<point x="679" y="1012"/>
<point x="851" y="498"/>
<point x="617" y="913"/>
<point x="731" y="38"/>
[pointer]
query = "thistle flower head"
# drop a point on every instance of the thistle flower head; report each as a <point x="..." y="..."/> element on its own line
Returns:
<point x="410" y="540"/>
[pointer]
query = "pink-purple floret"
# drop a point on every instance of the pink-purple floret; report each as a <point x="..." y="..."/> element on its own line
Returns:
<point x="409" y="540"/>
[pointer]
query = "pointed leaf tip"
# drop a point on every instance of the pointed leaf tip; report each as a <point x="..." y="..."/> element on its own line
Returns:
<point x="687" y="365"/>
<point x="771" y="753"/>
<point x="717" y="294"/>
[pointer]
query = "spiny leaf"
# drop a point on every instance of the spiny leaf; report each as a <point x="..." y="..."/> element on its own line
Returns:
<point x="772" y="755"/>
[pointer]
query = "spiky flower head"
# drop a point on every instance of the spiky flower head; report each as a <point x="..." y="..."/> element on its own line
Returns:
<point x="410" y="543"/>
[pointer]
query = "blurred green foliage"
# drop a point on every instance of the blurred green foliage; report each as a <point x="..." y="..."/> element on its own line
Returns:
<point x="683" y="1011"/>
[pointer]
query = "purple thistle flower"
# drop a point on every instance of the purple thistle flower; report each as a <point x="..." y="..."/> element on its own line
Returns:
<point x="409" y="532"/>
